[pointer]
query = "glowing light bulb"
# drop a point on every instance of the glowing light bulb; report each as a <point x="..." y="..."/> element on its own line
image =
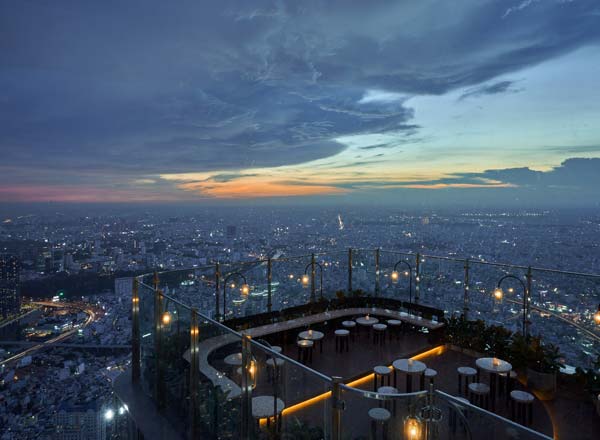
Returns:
<point x="166" y="318"/>
<point x="305" y="280"/>
<point x="394" y="276"/>
<point x="245" y="289"/>
<point x="498" y="294"/>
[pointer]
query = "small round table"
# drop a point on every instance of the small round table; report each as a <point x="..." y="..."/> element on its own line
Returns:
<point x="494" y="366"/>
<point x="234" y="359"/>
<point x="366" y="321"/>
<point x="412" y="368"/>
<point x="313" y="335"/>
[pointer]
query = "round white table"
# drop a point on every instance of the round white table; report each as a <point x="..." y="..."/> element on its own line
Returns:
<point x="494" y="366"/>
<point x="367" y="321"/>
<point x="266" y="407"/>
<point x="313" y="335"/>
<point x="234" y="359"/>
<point x="410" y="369"/>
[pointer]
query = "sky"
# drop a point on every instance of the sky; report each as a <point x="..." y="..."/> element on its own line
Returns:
<point x="493" y="101"/>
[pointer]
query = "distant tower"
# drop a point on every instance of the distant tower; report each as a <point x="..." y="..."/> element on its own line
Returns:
<point x="10" y="268"/>
<point x="231" y="232"/>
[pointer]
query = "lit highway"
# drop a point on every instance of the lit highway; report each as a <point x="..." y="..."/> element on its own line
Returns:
<point x="63" y="336"/>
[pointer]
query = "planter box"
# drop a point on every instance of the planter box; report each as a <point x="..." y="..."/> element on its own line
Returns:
<point x="544" y="384"/>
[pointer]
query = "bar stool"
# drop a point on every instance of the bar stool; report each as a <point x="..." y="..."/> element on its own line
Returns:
<point x="350" y="326"/>
<point x="429" y="375"/>
<point x="469" y="374"/>
<point x="379" y="416"/>
<point x="379" y="334"/>
<point x="395" y="327"/>
<point x="522" y="405"/>
<point x="388" y="404"/>
<point x="341" y="339"/>
<point x="305" y="350"/>
<point x="381" y="371"/>
<point x="479" y="394"/>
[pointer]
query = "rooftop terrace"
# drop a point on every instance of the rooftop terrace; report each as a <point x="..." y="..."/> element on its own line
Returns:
<point x="216" y="352"/>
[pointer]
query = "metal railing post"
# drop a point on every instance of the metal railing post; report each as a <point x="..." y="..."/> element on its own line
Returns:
<point x="313" y="285"/>
<point x="135" y="332"/>
<point x="194" y="366"/>
<point x="349" y="271"/>
<point x="418" y="279"/>
<point x="217" y="290"/>
<point x="246" y="387"/>
<point x="269" y="285"/>
<point x="377" y="272"/>
<point x="466" y="291"/>
<point x="159" y="387"/>
<point x="337" y="406"/>
<point x="527" y="304"/>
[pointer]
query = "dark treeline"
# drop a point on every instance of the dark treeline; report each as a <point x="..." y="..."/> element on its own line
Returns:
<point x="73" y="285"/>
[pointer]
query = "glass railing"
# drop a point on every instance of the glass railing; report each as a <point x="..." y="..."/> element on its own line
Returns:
<point x="204" y="374"/>
<point x="561" y="304"/>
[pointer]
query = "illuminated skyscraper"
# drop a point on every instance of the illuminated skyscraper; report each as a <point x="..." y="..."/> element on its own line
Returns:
<point x="9" y="285"/>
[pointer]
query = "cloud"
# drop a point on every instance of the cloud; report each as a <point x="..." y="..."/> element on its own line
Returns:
<point x="489" y="89"/>
<point x="106" y="91"/>
<point x="580" y="174"/>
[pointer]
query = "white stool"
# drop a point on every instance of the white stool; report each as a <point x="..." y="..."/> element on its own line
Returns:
<point x="395" y="327"/>
<point x="522" y="406"/>
<point x="388" y="404"/>
<point x="379" y="333"/>
<point x="430" y="375"/>
<point x="350" y="326"/>
<point x="383" y="372"/>
<point x="305" y="349"/>
<point x="469" y="374"/>
<point x="341" y="339"/>
<point x="379" y="416"/>
<point x="480" y="394"/>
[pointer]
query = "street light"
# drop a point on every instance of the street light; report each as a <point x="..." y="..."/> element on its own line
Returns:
<point x="306" y="278"/>
<point x="597" y="315"/>
<point x="166" y="318"/>
<point x="499" y="295"/>
<point x="245" y="289"/>
<point x="407" y="273"/>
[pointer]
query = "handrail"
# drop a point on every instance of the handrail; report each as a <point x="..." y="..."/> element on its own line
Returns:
<point x="475" y="409"/>
<point x="408" y="254"/>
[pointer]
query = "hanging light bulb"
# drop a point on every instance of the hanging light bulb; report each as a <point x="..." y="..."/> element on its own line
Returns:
<point x="305" y="280"/>
<point x="498" y="294"/>
<point x="245" y="289"/>
<point x="412" y="428"/>
<point x="395" y="276"/>
<point x="166" y="318"/>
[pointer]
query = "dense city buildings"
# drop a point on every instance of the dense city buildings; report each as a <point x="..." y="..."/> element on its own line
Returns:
<point x="9" y="286"/>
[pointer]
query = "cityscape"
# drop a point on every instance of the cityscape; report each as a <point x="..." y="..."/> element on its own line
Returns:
<point x="69" y="340"/>
<point x="300" y="220"/>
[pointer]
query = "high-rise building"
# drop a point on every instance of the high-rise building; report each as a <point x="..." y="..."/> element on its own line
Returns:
<point x="10" y="268"/>
<point x="81" y="422"/>
<point x="231" y="231"/>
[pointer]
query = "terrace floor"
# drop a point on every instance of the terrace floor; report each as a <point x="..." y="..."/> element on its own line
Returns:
<point x="570" y="415"/>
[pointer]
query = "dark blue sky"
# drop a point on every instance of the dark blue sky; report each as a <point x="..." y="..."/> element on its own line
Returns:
<point x="197" y="100"/>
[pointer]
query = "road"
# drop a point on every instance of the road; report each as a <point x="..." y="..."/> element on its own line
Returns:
<point x="91" y="318"/>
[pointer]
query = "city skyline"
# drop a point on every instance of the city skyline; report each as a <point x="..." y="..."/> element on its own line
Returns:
<point x="491" y="102"/>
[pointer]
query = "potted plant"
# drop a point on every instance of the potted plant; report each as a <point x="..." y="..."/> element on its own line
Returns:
<point x="542" y="368"/>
